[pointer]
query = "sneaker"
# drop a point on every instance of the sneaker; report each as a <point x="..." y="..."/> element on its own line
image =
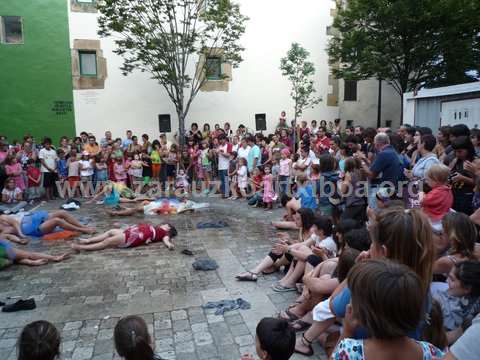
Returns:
<point x="20" y="305"/>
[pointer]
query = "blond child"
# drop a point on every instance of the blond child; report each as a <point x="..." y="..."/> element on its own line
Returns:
<point x="436" y="203"/>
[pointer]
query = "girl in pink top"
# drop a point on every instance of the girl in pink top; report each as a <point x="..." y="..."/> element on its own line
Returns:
<point x="269" y="195"/>
<point x="120" y="171"/>
<point x="14" y="169"/>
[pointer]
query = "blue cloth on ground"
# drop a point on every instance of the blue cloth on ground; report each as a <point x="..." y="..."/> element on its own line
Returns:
<point x="212" y="225"/>
<point x="205" y="264"/>
<point x="223" y="306"/>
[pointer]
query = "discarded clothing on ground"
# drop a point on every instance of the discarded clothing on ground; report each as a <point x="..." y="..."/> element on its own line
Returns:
<point x="223" y="306"/>
<point x="212" y="225"/>
<point x="70" y="205"/>
<point x="205" y="264"/>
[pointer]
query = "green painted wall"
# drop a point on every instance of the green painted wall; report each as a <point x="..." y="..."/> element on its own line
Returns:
<point x="36" y="93"/>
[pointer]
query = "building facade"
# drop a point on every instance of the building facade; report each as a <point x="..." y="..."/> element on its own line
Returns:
<point x="61" y="78"/>
<point x="35" y="80"/>
<point x="448" y="105"/>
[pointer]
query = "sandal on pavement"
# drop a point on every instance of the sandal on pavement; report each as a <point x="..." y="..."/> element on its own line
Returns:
<point x="308" y="344"/>
<point x="290" y="316"/>
<point x="248" y="276"/>
<point x="300" y="325"/>
<point x="281" y="288"/>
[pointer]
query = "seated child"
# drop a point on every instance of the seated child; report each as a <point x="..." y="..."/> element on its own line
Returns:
<point x="133" y="236"/>
<point x="132" y="340"/>
<point x="460" y="302"/>
<point x="10" y="193"/>
<point x="13" y="255"/>
<point x="387" y="320"/>
<point x="305" y="193"/>
<point x="436" y="203"/>
<point x="275" y="340"/>
<point x="39" y="340"/>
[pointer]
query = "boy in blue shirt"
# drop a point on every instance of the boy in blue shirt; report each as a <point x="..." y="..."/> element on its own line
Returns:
<point x="305" y="193"/>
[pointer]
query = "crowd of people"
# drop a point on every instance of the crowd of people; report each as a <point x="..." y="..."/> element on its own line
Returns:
<point x="386" y="260"/>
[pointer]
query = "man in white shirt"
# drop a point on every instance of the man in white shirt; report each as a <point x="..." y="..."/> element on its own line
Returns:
<point x="243" y="149"/>
<point x="224" y="151"/>
<point x="48" y="158"/>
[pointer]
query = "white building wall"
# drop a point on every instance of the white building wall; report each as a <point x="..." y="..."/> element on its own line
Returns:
<point x="134" y="102"/>
<point x="364" y="111"/>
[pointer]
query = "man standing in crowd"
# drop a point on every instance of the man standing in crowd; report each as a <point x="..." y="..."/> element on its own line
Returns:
<point x="254" y="158"/>
<point x="243" y="149"/>
<point x="128" y="141"/>
<point x="386" y="169"/>
<point x="107" y="140"/>
<point x="48" y="158"/>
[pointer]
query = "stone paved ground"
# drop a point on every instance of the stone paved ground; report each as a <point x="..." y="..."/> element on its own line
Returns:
<point x="86" y="295"/>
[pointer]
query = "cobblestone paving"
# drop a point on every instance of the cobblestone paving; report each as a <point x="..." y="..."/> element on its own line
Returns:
<point x="86" y="295"/>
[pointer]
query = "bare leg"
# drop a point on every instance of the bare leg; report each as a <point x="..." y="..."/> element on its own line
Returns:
<point x="313" y="333"/>
<point x="125" y="212"/>
<point x="285" y="225"/>
<point x="22" y="255"/>
<point x="62" y="214"/>
<point x="110" y="242"/>
<point x="291" y="279"/>
<point x="50" y="225"/>
<point x="101" y="237"/>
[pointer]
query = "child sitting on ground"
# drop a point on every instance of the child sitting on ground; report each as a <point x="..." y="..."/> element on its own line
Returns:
<point x="460" y="299"/>
<point x="275" y="340"/>
<point x="305" y="192"/>
<point x="132" y="340"/>
<point x="436" y="203"/>
<point x="39" y="340"/>
<point x="133" y="236"/>
<point x="387" y="320"/>
<point x="11" y="193"/>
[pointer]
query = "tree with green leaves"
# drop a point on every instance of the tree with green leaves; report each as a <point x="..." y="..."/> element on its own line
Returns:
<point x="408" y="43"/>
<point x="300" y="71"/>
<point x="166" y="37"/>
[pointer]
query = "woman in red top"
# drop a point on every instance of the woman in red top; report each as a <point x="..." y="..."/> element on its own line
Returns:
<point x="132" y="236"/>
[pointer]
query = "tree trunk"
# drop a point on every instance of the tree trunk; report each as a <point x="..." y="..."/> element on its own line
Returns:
<point x="181" y="128"/>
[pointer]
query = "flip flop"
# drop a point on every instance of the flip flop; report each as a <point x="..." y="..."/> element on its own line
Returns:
<point x="307" y="344"/>
<point x="249" y="276"/>
<point x="281" y="288"/>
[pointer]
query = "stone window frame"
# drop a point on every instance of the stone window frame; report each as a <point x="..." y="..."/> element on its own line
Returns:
<point x="83" y="7"/>
<point x="84" y="82"/>
<point x="2" y="30"/>
<point x="222" y="84"/>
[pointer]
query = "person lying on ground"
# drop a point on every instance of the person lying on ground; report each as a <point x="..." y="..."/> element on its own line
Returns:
<point x="39" y="223"/>
<point x="12" y="255"/>
<point x="114" y="193"/>
<point x="133" y="236"/>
